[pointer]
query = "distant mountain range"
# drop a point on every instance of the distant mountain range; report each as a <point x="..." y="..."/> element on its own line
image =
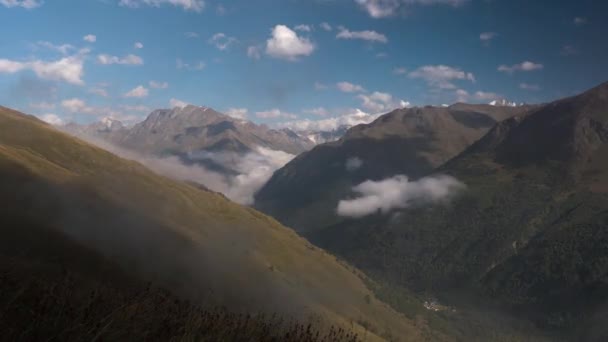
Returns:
<point x="526" y="234"/>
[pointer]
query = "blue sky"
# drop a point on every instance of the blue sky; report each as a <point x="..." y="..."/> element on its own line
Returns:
<point x="277" y="61"/>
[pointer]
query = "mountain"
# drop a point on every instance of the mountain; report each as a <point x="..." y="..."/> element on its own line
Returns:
<point x="527" y="237"/>
<point x="70" y="207"/>
<point x="305" y="192"/>
<point x="320" y="136"/>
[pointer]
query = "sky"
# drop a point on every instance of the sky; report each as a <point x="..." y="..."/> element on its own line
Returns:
<point x="293" y="62"/>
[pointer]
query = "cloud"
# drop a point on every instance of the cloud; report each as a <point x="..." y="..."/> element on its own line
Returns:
<point x="221" y="41"/>
<point x="42" y="106"/>
<point x="397" y="192"/>
<point x="237" y="113"/>
<point x="191" y="34"/>
<point x="98" y="91"/>
<point x="63" y="48"/>
<point x="76" y="105"/>
<point x="52" y="119"/>
<point x="370" y="36"/>
<point x="569" y="50"/>
<point x="177" y="103"/>
<point x="464" y="96"/>
<point x="303" y="28"/>
<point x="347" y="87"/>
<point x="27" y="4"/>
<point x="441" y="76"/>
<point x="137" y="108"/>
<point x="527" y="86"/>
<point x="158" y="85"/>
<point x="320" y="86"/>
<point x="523" y="66"/>
<point x="91" y="38"/>
<point x="486" y="37"/>
<point x="325" y="26"/>
<point x="253" y="52"/>
<point x="353" y="164"/>
<point x="127" y="60"/>
<point x="378" y="102"/>
<point x="320" y="111"/>
<point x="138" y="92"/>
<point x="187" y="5"/>
<point x="286" y="44"/>
<point x="179" y="64"/>
<point x="67" y="69"/>
<point x="580" y="21"/>
<point x="400" y="71"/>
<point x="351" y="118"/>
<point x="275" y="114"/>
<point x="387" y="8"/>
<point x="138" y="45"/>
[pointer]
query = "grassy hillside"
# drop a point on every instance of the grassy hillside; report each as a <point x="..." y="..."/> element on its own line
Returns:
<point x="193" y="242"/>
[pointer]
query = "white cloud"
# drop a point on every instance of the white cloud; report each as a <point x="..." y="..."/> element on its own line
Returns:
<point x="397" y="192"/>
<point x="91" y="38"/>
<point x="179" y="64"/>
<point x="42" y="106"/>
<point x="98" y="91"/>
<point x="158" y="85"/>
<point x="441" y="76"/>
<point x="138" y="45"/>
<point x="353" y="164"/>
<point x="326" y="26"/>
<point x="27" y="4"/>
<point x="303" y="28"/>
<point x="286" y="44"/>
<point x="138" y="92"/>
<point x="191" y="34"/>
<point x="237" y="113"/>
<point x="177" y="103"/>
<point x="127" y="60"/>
<point x="67" y="69"/>
<point x="387" y="8"/>
<point x="487" y="36"/>
<point x="275" y="114"/>
<point x="76" y="105"/>
<point x="221" y="41"/>
<point x="580" y="21"/>
<point x="351" y="118"/>
<point x="52" y="119"/>
<point x="137" y="108"/>
<point x="523" y="66"/>
<point x="348" y="87"/>
<point x="63" y="48"/>
<point x="187" y="5"/>
<point x="254" y="52"/>
<point x="464" y="96"/>
<point x="320" y="86"/>
<point x="370" y="36"/>
<point x="378" y="102"/>
<point x="527" y="86"/>
<point x="400" y="71"/>
<point x="320" y="111"/>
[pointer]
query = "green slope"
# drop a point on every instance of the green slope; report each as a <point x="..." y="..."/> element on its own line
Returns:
<point x="194" y="242"/>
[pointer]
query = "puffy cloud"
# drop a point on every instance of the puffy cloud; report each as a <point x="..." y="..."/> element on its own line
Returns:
<point x="353" y="164"/>
<point x="63" y="48"/>
<point x="320" y="86"/>
<point x="52" y="119"/>
<point x="76" y="105"/>
<point x="138" y="92"/>
<point x="464" y="96"/>
<point x="275" y="114"/>
<point x="187" y="5"/>
<point x="303" y="28"/>
<point x="177" y="103"/>
<point x="91" y="38"/>
<point x="370" y="36"/>
<point x="441" y="76"/>
<point x="523" y="66"/>
<point x="348" y="87"/>
<point x="487" y="36"/>
<point x="129" y="59"/>
<point x="79" y="106"/>
<point x="284" y="43"/>
<point x="98" y="91"/>
<point x="221" y="41"/>
<point x="400" y="71"/>
<point x="138" y="45"/>
<point x="397" y="192"/>
<point x="237" y="113"/>
<point x="67" y="69"/>
<point x="254" y="52"/>
<point x="527" y="86"/>
<point x="320" y="111"/>
<point x="158" y="85"/>
<point x="387" y="8"/>
<point x="137" y="108"/>
<point x="351" y="118"/>
<point x="378" y="102"/>
<point x="325" y="26"/>
<point x="179" y="64"/>
<point x="27" y="4"/>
